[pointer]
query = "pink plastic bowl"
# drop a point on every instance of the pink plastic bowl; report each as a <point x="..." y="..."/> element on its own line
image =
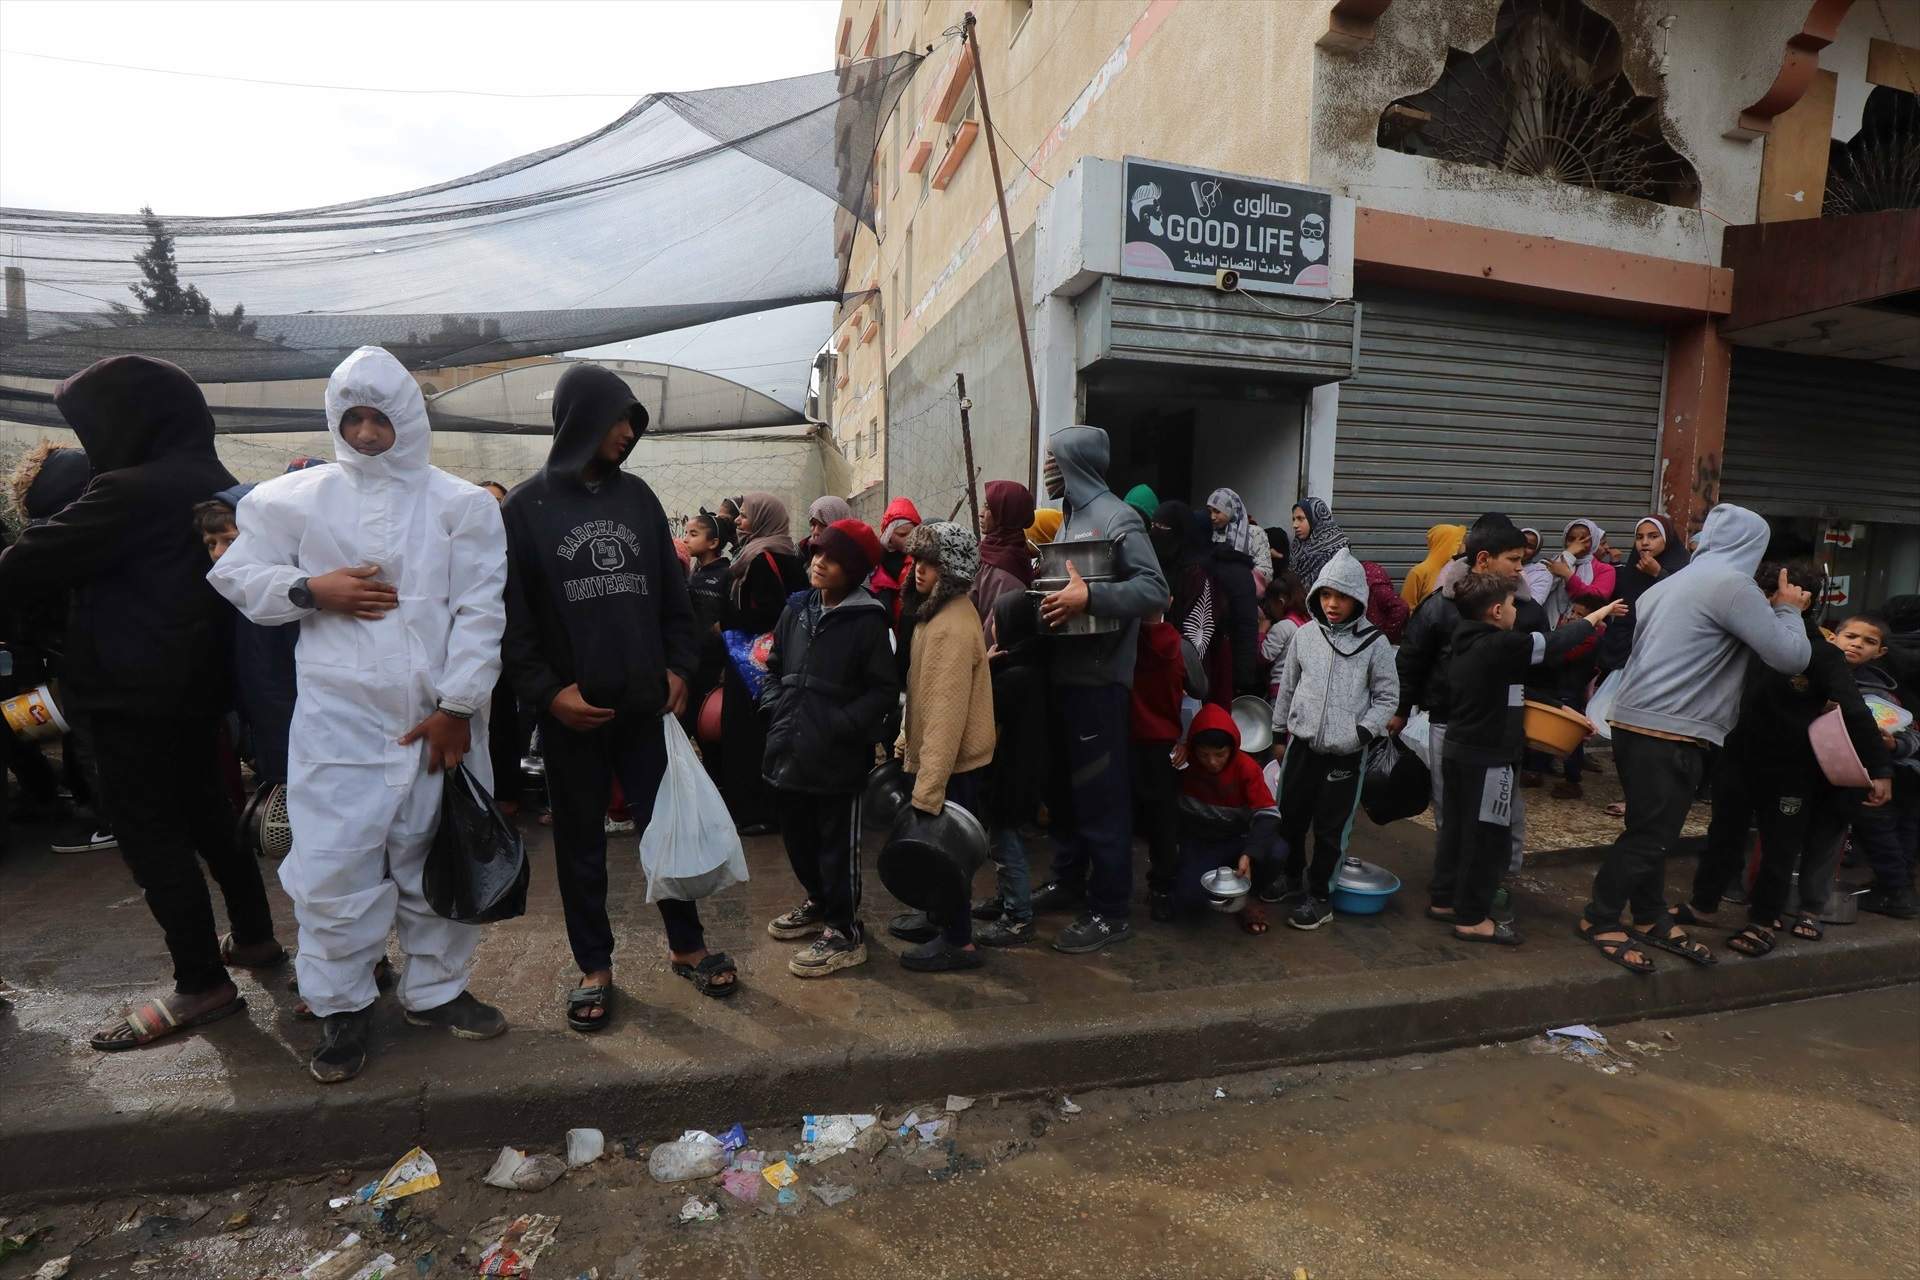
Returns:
<point x="1834" y="750"/>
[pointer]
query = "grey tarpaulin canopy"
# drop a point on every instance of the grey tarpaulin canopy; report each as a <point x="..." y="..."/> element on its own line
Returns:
<point x="690" y="208"/>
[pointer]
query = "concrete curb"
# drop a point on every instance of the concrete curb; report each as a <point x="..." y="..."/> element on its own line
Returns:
<point x="48" y="1153"/>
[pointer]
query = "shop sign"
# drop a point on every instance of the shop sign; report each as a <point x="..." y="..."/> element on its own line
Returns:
<point x="1839" y="591"/>
<point x="1846" y="535"/>
<point x="1186" y="224"/>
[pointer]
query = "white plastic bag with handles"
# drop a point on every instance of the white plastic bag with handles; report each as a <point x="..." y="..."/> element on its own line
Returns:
<point x="690" y="849"/>
<point x="1600" y="705"/>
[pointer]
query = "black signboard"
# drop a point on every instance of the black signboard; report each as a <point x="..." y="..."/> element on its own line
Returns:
<point x="1186" y="224"/>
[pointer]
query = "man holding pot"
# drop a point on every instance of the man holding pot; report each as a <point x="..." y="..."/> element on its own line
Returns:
<point x="1091" y="678"/>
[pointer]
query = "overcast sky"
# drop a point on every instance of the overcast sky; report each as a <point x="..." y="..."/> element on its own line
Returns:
<point x="94" y="139"/>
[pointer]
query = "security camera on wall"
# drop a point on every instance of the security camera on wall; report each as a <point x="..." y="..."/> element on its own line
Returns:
<point x="1226" y="280"/>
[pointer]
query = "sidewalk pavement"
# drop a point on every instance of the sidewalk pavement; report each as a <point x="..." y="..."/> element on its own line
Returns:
<point x="1175" y="1002"/>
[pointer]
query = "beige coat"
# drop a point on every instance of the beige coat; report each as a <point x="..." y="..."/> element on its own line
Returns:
<point x="948" y="727"/>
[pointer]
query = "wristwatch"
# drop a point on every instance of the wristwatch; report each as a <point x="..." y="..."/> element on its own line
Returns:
<point x="300" y="596"/>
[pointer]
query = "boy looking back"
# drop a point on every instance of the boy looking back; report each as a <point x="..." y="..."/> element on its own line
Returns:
<point x="1889" y="833"/>
<point x="1337" y="693"/>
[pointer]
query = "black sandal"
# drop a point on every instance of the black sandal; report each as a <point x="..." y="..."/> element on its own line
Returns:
<point x="1666" y="935"/>
<point x="1806" y="928"/>
<point x="1614" y="951"/>
<point x="705" y="975"/>
<point x="1755" y="940"/>
<point x="1503" y="935"/>
<point x="581" y="999"/>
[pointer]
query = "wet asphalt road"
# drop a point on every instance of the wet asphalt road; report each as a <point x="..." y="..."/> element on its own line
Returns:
<point x="1782" y="1141"/>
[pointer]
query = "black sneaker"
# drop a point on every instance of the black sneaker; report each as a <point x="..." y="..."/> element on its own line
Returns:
<point x="463" y="1015"/>
<point x="913" y="926"/>
<point x="989" y="908"/>
<point x="1280" y="888"/>
<point x="1898" y="903"/>
<point x="86" y="840"/>
<point x="803" y="921"/>
<point x="1054" y="896"/>
<point x="937" y="955"/>
<point x="1160" y="906"/>
<point x="342" y="1054"/>
<point x="830" y="952"/>
<point x="1090" y="933"/>
<point x="1311" y="913"/>
<point x="1004" y="932"/>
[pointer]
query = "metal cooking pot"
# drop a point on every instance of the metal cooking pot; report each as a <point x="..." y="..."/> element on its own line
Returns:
<point x="1095" y="558"/>
<point x="1226" y="889"/>
<point x="1362" y="888"/>
<point x="929" y="862"/>
<point x="887" y="792"/>
<point x="1084" y="625"/>
<point x="1254" y="718"/>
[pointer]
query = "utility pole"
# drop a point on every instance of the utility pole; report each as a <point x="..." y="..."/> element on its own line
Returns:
<point x="1013" y="268"/>
<point x="966" y="443"/>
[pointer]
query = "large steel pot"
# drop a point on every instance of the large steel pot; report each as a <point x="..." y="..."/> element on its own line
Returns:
<point x="929" y="861"/>
<point x="1096" y="559"/>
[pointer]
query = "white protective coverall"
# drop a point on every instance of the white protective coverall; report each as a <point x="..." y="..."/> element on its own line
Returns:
<point x="362" y="807"/>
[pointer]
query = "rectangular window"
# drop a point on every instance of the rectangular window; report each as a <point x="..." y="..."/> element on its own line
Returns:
<point x="1018" y="11"/>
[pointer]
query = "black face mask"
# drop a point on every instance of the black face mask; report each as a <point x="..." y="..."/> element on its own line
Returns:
<point x="1166" y="544"/>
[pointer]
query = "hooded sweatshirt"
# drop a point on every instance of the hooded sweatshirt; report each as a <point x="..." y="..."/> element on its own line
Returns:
<point x="1137" y="590"/>
<point x="1443" y="544"/>
<point x="265" y="679"/>
<point x="1232" y="803"/>
<point x="1338" y="688"/>
<point x="596" y="596"/>
<point x="145" y="634"/>
<point x="1487" y="675"/>
<point x="433" y="537"/>
<point x="1696" y="630"/>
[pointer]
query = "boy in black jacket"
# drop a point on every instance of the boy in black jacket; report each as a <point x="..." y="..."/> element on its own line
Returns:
<point x="1487" y="674"/>
<point x="600" y="642"/>
<point x="145" y="663"/>
<point x="831" y="683"/>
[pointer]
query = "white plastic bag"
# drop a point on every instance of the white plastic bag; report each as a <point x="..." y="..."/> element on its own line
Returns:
<point x="690" y="849"/>
<point x="1417" y="736"/>
<point x="1600" y="705"/>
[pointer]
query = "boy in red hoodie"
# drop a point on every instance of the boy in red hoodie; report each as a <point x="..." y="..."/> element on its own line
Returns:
<point x="1227" y="815"/>
<point x="1159" y="678"/>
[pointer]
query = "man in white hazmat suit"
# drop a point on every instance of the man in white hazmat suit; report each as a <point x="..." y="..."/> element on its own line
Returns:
<point x="395" y="571"/>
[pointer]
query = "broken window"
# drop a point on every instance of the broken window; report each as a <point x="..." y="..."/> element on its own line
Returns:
<point x="1879" y="167"/>
<point x="1547" y="98"/>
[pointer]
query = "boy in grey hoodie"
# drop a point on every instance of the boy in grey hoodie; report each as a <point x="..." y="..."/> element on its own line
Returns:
<point x="1092" y="680"/>
<point x="1336" y="694"/>
<point x="1679" y="695"/>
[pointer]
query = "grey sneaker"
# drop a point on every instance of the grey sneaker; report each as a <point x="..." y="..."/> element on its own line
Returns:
<point x="463" y="1015"/>
<point x="1311" y="913"/>
<point x="803" y="921"/>
<point x="830" y="952"/>
<point x="1004" y="932"/>
<point x="1090" y="933"/>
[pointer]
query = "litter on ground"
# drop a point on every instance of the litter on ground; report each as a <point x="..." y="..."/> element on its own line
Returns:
<point x="515" y="1170"/>
<point x="831" y="1193"/>
<point x="698" y="1210"/>
<point x="514" y="1251"/>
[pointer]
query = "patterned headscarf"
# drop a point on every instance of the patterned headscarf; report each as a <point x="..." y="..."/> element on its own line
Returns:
<point x="1238" y="532"/>
<point x="1324" y="538"/>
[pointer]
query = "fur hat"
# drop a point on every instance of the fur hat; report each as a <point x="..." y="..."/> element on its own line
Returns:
<point x="955" y="551"/>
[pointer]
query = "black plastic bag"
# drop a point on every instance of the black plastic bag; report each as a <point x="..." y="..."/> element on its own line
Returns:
<point x="476" y="871"/>
<point x="1397" y="785"/>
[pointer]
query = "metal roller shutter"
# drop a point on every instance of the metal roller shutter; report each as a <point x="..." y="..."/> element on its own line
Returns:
<point x="1463" y="406"/>
<point x="1816" y="436"/>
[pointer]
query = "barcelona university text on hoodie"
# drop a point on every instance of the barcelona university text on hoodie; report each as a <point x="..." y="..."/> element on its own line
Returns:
<point x="363" y="807"/>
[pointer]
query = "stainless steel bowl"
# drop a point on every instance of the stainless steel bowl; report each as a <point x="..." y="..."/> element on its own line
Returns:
<point x="1083" y="625"/>
<point x="1254" y="718"/>
<point x="1226" y="889"/>
<point x="1094" y="558"/>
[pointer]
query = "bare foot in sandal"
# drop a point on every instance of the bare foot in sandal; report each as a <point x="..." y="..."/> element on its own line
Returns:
<point x="157" y="1017"/>
<point x="1613" y="943"/>
<point x="711" y="972"/>
<point x="1254" y="920"/>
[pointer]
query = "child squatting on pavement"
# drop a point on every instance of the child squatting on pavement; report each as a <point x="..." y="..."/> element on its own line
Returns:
<point x="395" y="571"/>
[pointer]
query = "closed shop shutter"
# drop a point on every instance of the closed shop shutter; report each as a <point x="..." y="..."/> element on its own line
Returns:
<point x="1463" y="406"/>
<point x="1816" y="436"/>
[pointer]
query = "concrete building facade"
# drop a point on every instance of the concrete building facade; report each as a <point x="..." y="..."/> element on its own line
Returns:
<point x="1569" y="258"/>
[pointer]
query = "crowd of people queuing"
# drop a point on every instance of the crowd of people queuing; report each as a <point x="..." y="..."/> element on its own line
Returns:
<point x="375" y="621"/>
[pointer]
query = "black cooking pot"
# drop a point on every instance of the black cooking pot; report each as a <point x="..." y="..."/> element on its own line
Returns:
<point x="929" y="862"/>
<point x="887" y="792"/>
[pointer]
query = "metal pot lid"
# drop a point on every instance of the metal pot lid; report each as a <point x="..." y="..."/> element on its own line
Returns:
<point x="1365" y="877"/>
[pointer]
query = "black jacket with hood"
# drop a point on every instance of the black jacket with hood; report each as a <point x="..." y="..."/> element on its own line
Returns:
<point x="1426" y="647"/>
<point x="595" y="593"/>
<point x="1486" y="675"/>
<point x="831" y="686"/>
<point x="146" y="634"/>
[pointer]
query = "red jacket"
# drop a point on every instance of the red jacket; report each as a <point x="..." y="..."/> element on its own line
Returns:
<point x="1228" y="803"/>
<point x="1159" y="681"/>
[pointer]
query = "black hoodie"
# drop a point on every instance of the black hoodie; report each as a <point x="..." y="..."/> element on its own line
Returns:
<point x="146" y="635"/>
<point x="595" y="592"/>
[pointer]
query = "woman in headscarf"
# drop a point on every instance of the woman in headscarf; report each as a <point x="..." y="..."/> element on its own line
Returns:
<point x="1534" y="573"/>
<point x="1233" y="526"/>
<point x="1659" y="552"/>
<point x="1579" y="575"/>
<point x="1443" y="544"/>
<point x="1046" y="526"/>
<point x="823" y="512"/>
<point x="1182" y="539"/>
<point x="1279" y="552"/>
<point x="767" y="570"/>
<point x="1242" y="581"/>
<point x="1005" y="562"/>
<point x="891" y="574"/>
<point x="1316" y="536"/>
<point x="1144" y="500"/>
